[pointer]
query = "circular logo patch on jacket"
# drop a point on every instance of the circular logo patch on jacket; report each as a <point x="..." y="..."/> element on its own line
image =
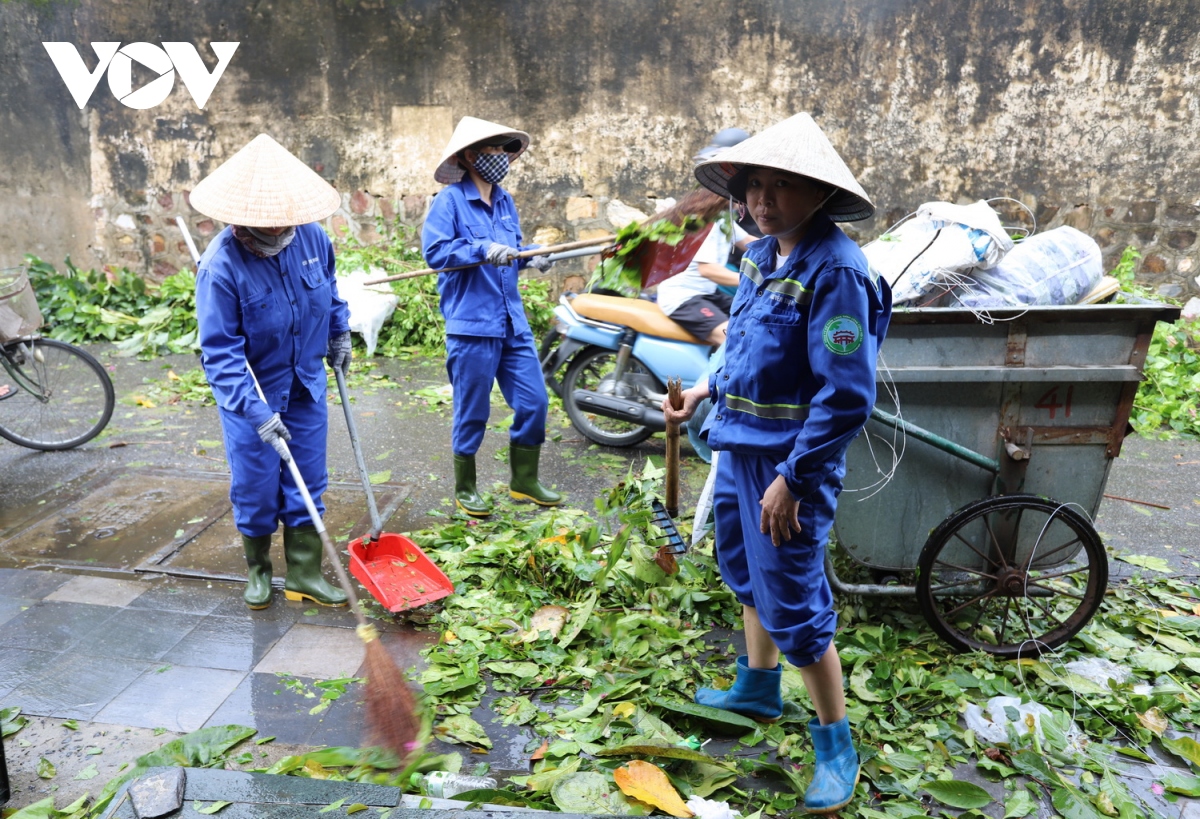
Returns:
<point x="842" y="335"/>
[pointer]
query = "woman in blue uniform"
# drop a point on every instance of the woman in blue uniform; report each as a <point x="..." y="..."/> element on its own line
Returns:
<point x="797" y="386"/>
<point x="267" y="305"/>
<point x="473" y="221"/>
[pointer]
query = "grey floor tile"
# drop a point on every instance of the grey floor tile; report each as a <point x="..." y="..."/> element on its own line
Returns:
<point x="232" y="643"/>
<point x="10" y="607"/>
<point x="178" y="698"/>
<point x="74" y="686"/>
<point x="139" y="634"/>
<point x="19" y="664"/>
<point x="49" y="626"/>
<point x="275" y="708"/>
<point x="28" y="583"/>
<point x="187" y="596"/>
<point x="279" y="610"/>
<point x="315" y="651"/>
<point x="100" y="591"/>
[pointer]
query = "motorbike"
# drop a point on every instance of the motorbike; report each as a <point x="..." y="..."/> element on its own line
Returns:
<point x="609" y="358"/>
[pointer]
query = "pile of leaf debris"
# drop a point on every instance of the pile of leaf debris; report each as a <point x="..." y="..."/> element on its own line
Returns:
<point x="564" y="625"/>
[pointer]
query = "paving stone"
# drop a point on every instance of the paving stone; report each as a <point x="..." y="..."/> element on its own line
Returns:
<point x="158" y="794"/>
<point x="53" y="626"/>
<point x="140" y="634"/>
<point x="189" y="597"/>
<point x="10" y="607"/>
<point x="263" y="702"/>
<point x="74" y="686"/>
<point x="236" y="644"/>
<point x="99" y="591"/>
<point x="24" y="583"/>
<point x="280" y="610"/>
<point x="178" y="698"/>
<point x="18" y="664"/>
<point x="315" y="651"/>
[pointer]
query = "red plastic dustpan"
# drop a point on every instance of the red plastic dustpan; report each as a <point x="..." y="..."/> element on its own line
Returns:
<point x="396" y="572"/>
<point x="391" y="567"/>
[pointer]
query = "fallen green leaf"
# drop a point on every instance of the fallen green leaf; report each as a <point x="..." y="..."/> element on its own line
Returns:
<point x="211" y="808"/>
<point x="332" y="806"/>
<point x="957" y="794"/>
<point x="87" y="773"/>
<point x="46" y="769"/>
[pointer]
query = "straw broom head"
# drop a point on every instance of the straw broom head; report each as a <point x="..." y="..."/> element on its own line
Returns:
<point x="392" y="717"/>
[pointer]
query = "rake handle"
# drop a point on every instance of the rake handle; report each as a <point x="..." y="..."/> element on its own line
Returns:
<point x="526" y="254"/>
<point x="675" y="396"/>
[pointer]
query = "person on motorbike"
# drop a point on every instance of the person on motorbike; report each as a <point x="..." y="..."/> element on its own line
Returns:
<point x="267" y="299"/>
<point x="698" y="299"/>
<point x="797" y="386"/>
<point x="473" y="221"/>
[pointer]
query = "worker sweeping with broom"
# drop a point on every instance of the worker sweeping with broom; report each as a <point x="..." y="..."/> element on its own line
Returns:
<point x="267" y="305"/>
<point x="797" y="386"/>
<point x="473" y="221"/>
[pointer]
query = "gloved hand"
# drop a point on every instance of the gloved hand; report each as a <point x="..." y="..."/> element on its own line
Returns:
<point x="540" y="263"/>
<point x="338" y="355"/>
<point x="500" y="254"/>
<point x="273" y="432"/>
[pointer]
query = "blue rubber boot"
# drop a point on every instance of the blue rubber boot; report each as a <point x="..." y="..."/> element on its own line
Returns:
<point x="836" y="771"/>
<point x="755" y="693"/>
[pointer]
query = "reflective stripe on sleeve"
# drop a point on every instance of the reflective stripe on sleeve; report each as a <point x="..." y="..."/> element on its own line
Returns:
<point x="790" y="412"/>
<point x="785" y="287"/>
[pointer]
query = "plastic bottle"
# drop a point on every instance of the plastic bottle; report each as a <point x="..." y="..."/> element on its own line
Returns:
<point x="442" y="784"/>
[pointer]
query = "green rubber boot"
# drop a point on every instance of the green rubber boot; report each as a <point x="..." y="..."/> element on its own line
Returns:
<point x="466" y="496"/>
<point x="525" y="485"/>
<point x="302" y="547"/>
<point x="258" y="574"/>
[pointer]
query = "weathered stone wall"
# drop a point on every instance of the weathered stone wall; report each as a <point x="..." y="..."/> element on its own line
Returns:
<point x="1080" y="109"/>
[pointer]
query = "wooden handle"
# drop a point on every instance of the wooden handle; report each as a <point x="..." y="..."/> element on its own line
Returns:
<point x="675" y="396"/>
<point x="527" y="254"/>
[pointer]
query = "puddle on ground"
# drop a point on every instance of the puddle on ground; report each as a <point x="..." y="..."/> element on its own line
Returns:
<point x="160" y="521"/>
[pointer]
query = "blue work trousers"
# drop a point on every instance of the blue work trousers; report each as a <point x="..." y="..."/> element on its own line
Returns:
<point x="473" y="363"/>
<point x="785" y="584"/>
<point x="261" y="487"/>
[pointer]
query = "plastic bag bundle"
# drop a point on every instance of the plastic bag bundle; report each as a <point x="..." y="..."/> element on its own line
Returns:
<point x="1060" y="266"/>
<point x="929" y="254"/>
<point x="19" y="314"/>
<point x="370" y="307"/>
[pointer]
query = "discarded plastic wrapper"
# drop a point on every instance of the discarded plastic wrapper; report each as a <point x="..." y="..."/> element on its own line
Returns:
<point x="1058" y="267"/>
<point x="370" y="307"/>
<point x="711" y="809"/>
<point x="991" y="722"/>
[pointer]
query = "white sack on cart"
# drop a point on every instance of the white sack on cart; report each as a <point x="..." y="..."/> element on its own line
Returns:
<point x="927" y="255"/>
<point x="370" y="307"/>
<point x="1060" y="266"/>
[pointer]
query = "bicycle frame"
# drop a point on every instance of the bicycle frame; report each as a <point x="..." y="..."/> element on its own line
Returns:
<point x="17" y="373"/>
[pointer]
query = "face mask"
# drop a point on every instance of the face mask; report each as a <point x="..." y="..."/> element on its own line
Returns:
<point x="492" y="167"/>
<point x="268" y="245"/>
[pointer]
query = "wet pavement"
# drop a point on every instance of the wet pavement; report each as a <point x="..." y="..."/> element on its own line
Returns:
<point x="120" y="569"/>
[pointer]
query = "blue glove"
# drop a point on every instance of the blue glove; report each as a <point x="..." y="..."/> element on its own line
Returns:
<point x="273" y="432"/>
<point x="499" y="254"/>
<point x="338" y="355"/>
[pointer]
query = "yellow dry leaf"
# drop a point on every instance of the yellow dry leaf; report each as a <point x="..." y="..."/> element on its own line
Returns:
<point x="541" y="751"/>
<point x="171" y="376"/>
<point x="624" y="710"/>
<point x="315" y="770"/>
<point x="143" y="401"/>
<point x="1153" y="720"/>
<point x="555" y="539"/>
<point x="647" y="783"/>
<point x="449" y="636"/>
<point x="547" y="618"/>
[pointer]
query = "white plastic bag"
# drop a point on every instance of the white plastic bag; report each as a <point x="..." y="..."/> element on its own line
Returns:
<point x="370" y="307"/>
<point x="1060" y="266"/>
<point x="991" y="722"/>
<point x="929" y="254"/>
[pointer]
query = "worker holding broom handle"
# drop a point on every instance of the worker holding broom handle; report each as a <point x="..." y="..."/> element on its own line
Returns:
<point x="797" y="386"/>
<point x="473" y="221"/>
<point x="267" y="305"/>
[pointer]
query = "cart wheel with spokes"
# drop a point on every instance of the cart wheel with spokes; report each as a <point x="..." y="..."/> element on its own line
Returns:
<point x="1012" y="575"/>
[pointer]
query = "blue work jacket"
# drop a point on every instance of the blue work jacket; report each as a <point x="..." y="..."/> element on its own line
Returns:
<point x="798" y="381"/>
<point x="458" y="231"/>
<point x="277" y="314"/>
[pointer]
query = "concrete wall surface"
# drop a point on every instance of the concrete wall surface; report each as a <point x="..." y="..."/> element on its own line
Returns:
<point x="1080" y="109"/>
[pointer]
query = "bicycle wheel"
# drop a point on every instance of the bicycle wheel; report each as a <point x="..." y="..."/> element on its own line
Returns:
<point x="1012" y="575"/>
<point x="58" y="397"/>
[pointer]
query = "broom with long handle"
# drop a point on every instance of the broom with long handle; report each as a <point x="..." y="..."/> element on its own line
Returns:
<point x="391" y="708"/>
<point x="392" y="716"/>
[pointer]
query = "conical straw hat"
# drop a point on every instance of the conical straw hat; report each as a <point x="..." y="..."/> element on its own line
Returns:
<point x="469" y="131"/>
<point x="797" y="145"/>
<point x="263" y="185"/>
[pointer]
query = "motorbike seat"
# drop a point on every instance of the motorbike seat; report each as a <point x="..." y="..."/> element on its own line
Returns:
<point x="637" y="314"/>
